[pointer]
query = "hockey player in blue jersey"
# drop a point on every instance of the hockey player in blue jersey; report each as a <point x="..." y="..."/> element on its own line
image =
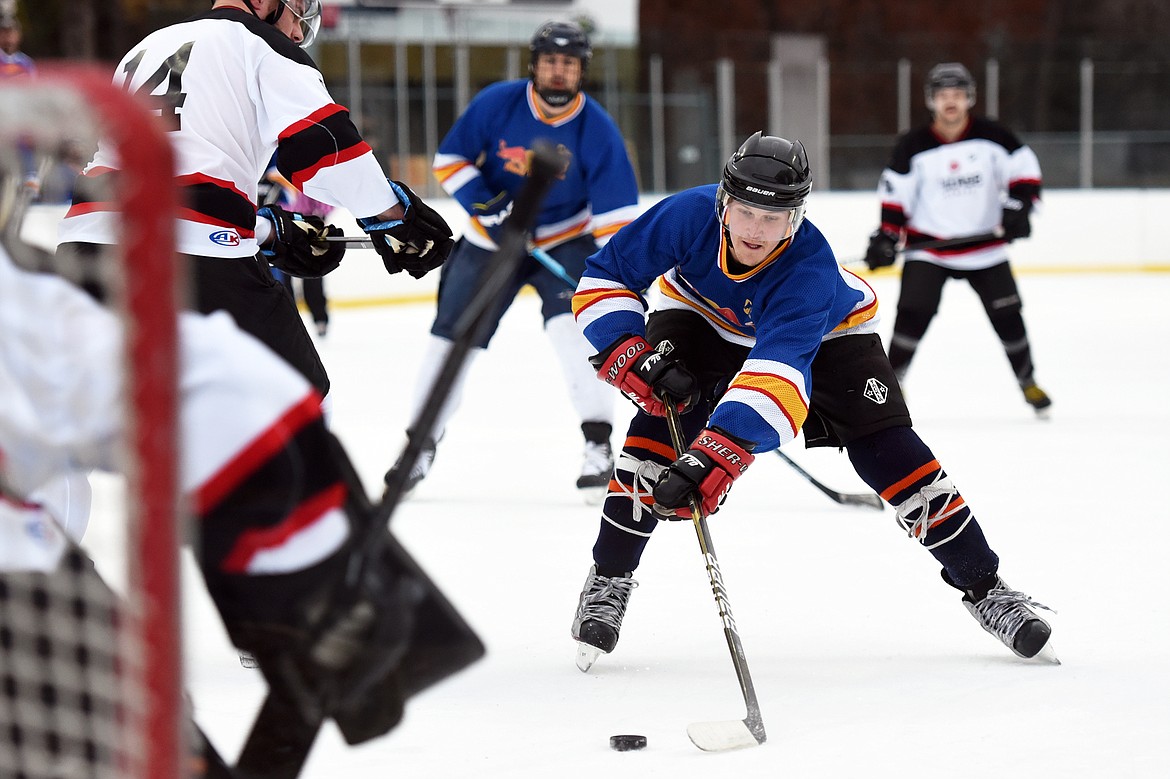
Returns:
<point x="757" y="334"/>
<point x="483" y="163"/>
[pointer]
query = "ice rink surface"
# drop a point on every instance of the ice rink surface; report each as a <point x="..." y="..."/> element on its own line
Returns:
<point x="865" y="663"/>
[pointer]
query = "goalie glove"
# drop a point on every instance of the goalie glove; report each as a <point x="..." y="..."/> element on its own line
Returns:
<point x="417" y="243"/>
<point x="706" y="472"/>
<point x="646" y="376"/>
<point x="298" y="244"/>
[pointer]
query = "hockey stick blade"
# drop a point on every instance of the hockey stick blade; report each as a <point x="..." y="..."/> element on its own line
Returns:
<point x="866" y="499"/>
<point x="726" y="735"/>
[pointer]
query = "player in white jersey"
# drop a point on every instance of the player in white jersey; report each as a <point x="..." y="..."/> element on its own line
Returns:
<point x="235" y="87"/>
<point x="961" y="175"/>
<point x="281" y="518"/>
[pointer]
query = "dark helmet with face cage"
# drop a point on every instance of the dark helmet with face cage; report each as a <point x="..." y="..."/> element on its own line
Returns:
<point x="767" y="172"/>
<point x="565" y="38"/>
<point x="949" y="75"/>
<point x="561" y="38"/>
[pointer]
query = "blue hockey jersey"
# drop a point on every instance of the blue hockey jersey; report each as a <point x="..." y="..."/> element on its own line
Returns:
<point x="781" y="309"/>
<point x="489" y="148"/>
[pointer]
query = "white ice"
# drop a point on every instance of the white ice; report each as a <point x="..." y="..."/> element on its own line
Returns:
<point x="865" y="663"/>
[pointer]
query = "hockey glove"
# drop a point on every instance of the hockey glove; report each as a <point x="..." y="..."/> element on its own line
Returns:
<point x="883" y="247"/>
<point x="705" y="472"/>
<point x="647" y="377"/>
<point x="298" y="243"/>
<point x="492" y="215"/>
<point x="418" y="242"/>
<point x="1016" y="219"/>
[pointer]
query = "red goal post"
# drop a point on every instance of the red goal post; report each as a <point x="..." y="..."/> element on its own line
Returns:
<point x="70" y="105"/>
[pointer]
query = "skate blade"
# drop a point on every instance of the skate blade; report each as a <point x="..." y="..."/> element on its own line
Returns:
<point x="722" y="736"/>
<point x="586" y="656"/>
<point x="1047" y="655"/>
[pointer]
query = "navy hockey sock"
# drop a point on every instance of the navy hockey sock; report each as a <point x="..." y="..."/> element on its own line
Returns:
<point x="900" y="466"/>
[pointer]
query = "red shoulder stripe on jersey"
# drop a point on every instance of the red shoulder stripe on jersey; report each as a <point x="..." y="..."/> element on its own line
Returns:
<point x="324" y="138"/>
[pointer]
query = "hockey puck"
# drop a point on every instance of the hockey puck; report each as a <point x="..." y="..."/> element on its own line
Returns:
<point x="627" y="743"/>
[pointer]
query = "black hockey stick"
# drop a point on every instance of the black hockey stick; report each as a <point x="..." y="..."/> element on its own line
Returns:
<point x="284" y="731"/>
<point x="721" y="735"/>
<point x="940" y="243"/>
<point x="869" y="500"/>
<point x="546" y="165"/>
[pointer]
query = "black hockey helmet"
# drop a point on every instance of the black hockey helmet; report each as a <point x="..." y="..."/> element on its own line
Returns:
<point x="308" y="13"/>
<point x="949" y="75"/>
<point x="561" y="38"/>
<point x="770" y="173"/>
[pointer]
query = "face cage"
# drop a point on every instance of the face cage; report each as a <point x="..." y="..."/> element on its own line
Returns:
<point x="309" y="18"/>
<point x="761" y="225"/>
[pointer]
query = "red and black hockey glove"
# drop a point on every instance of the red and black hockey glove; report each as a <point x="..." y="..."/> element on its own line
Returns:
<point x="647" y="377"/>
<point x="706" y="471"/>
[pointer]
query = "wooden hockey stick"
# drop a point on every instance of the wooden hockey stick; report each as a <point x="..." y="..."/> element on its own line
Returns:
<point x="284" y="731"/>
<point x="869" y="500"/>
<point x="721" y="735"/>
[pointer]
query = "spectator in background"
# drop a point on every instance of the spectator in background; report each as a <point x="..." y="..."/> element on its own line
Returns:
<point x="14" y="63"/>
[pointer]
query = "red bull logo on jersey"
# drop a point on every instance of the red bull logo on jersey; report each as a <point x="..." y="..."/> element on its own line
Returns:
<point x="518" y="159"/>
<point x="225" y="237"/>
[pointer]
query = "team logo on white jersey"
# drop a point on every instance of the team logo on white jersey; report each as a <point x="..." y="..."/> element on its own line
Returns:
<point x="876" y="391"/>
<point x="225" y="237"/>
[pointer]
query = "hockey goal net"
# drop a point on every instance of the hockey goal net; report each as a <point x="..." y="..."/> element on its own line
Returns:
<point x="90" y="681"/>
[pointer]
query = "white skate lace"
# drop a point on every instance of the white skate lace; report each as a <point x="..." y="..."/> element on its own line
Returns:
<point x="646" y="475"/>
<point x="598" y="459"/>
<point x="605" y="600"/>
<point x="914" y="513"/>
<point x="1004" y="611"/>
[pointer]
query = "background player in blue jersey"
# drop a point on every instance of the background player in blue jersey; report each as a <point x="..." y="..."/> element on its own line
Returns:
<point x="959" y="175"/>
<point x="483" y="163"/>
<point x="757" y="334"/>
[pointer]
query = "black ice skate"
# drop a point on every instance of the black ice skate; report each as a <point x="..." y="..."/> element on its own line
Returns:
<point x="599" y="615"/>
<point x="1037" y="398"/>
<point x="596" y="469"/>
<point x="422" y="466"/>
<point x="1008" y="615"/>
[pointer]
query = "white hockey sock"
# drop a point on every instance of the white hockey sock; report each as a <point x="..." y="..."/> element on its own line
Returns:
<point x="432" y="364"/>
<point x="592" y="398"/>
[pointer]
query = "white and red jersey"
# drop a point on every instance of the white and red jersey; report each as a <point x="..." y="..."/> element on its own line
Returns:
<point x="233" y="90"/>
<point x="933" y="189"/>
<point x="61" y="411"/>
